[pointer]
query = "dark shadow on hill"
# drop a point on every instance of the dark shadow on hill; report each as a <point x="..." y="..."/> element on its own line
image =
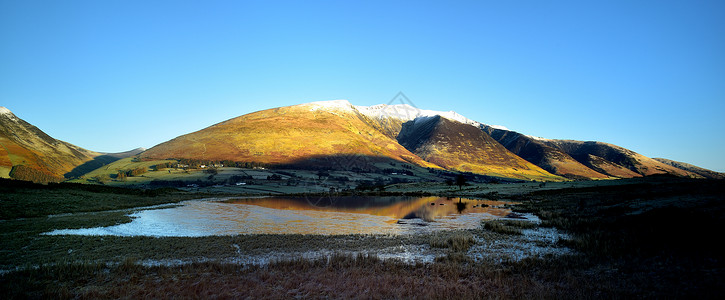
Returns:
<point x="91" y="165"/>
<point x="381" y="165"/>
<point x="343" y="162"/>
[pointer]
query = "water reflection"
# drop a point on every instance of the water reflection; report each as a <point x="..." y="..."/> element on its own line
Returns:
<point x="426" y="208"/>
<point x="346" y="215"/>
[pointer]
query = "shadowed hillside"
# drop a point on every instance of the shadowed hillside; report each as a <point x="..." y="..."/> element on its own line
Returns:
<point x="28" y="153"/>
<point x="692" y="168"/>
<point x="548" y="158"/>
<point x="462" y="147"/>
<point x="586" y="160"/>
<point x="100" y="161"/>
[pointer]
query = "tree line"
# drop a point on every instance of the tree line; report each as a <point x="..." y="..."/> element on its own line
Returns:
<point x="22" y="172"/>
<point x="122" y="174"/>
<point x="197" y="163"/>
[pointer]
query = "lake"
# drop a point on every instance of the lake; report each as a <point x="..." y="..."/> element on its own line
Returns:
<point x="300" y="215"/>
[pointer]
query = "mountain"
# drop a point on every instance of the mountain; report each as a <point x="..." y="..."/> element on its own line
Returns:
<point x="316" y="133"/>
<point x="549" y="158"/>
<point x="432" y="135"/>
<point x="101" y="160"/>
<point x="463" y="147"/>
<point x="332" y="134"/>
<point x="614" y="160"/>
<point x="691" y="168"/>
<point x="579" y="159"/>
<point x="28" y="153"/>
<point x="339" y="135"/>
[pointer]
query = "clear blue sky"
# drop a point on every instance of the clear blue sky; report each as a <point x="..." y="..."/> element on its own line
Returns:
<point x="116" y="75"/>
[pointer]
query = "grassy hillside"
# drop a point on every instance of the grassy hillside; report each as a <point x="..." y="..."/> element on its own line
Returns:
<point x="28" y="153"/>
<point x="287" y="135"/>
<point x="109" y="172"/>
<point x="465" y="148"/>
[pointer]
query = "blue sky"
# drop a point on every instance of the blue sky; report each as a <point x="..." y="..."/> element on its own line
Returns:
<point x="116" y="75"/>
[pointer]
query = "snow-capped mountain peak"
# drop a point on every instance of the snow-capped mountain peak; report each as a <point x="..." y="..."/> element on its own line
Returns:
<point x="330" y="104"/>
<point x="407" y="112"/>
<point x="5" y="111"/>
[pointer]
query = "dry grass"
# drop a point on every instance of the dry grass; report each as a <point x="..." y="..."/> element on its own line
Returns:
<point x="507" y="226"/>
<point x="338" y="276"/>
<point x="456" y="241"/>
<point x="348" y="276"/>
<point x="637" y="241"/>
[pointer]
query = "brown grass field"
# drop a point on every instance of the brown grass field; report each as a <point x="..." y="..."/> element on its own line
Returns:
<point x="649" y="238"/>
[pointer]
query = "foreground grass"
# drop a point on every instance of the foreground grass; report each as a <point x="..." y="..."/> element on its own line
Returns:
<point x="339" y="276"/>
<point x="346" y="276"/>
<point x="655" y="239"/>
<point x="28" y="200"/>
<point x="508" y="226"/>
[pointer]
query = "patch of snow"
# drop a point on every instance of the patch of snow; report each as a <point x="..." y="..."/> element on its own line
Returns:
<point x="6" y="112"/>
<point x="407" y="112"/>
<point x="499" y="127"/>
<point x="538" y="138"/>
<point x="331" y="104"/>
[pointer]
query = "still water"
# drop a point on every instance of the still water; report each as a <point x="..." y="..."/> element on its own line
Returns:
<point x="287" y="215"/>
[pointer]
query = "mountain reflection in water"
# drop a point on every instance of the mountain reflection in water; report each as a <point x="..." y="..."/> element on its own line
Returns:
<point x="288" y="215"/>
<point x="426" y="208"/>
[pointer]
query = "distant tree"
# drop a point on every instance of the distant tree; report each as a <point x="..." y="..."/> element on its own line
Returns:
<point x="22" y="172"/>
<point x="158" y="167"/>
<point x="460" y="181"/>
<point x="136" y="172"/>
<point x="103" y="178"/>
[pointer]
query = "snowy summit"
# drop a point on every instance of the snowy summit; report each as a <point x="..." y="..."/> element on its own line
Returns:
<point x="5" y="111"/>
<point x="407" y="112"/>
<point x="331" y="104"/>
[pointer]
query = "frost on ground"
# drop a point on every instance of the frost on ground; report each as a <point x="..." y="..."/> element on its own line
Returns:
<point x="535" y="243"/>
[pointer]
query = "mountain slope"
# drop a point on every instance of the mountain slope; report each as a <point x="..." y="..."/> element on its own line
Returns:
<point x="578" y="159"/>
<point x="303" y="134"/>
<point x="27" y="153"/>
<point x="548" y="158"/>
<point x="458" y="146"/>
<point x="614" y="160"/>
<point x="692" y="168"/>
<point x="99" y="161"/>
<point x="311" y="134"/>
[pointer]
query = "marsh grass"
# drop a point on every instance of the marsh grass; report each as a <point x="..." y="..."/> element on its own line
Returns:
<point x="651" y="240"/>
<point x="349" y="277"/>
<point x="456" y="241"/>
<point x="504" y="226"/>
<point x="337" y="276"/>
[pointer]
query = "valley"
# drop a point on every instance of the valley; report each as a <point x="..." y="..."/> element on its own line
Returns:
<point x="321" y="199"/>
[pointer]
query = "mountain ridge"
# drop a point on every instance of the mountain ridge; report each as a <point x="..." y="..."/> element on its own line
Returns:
<point x="322" y="134"/>
<point x="28" y="153"/>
